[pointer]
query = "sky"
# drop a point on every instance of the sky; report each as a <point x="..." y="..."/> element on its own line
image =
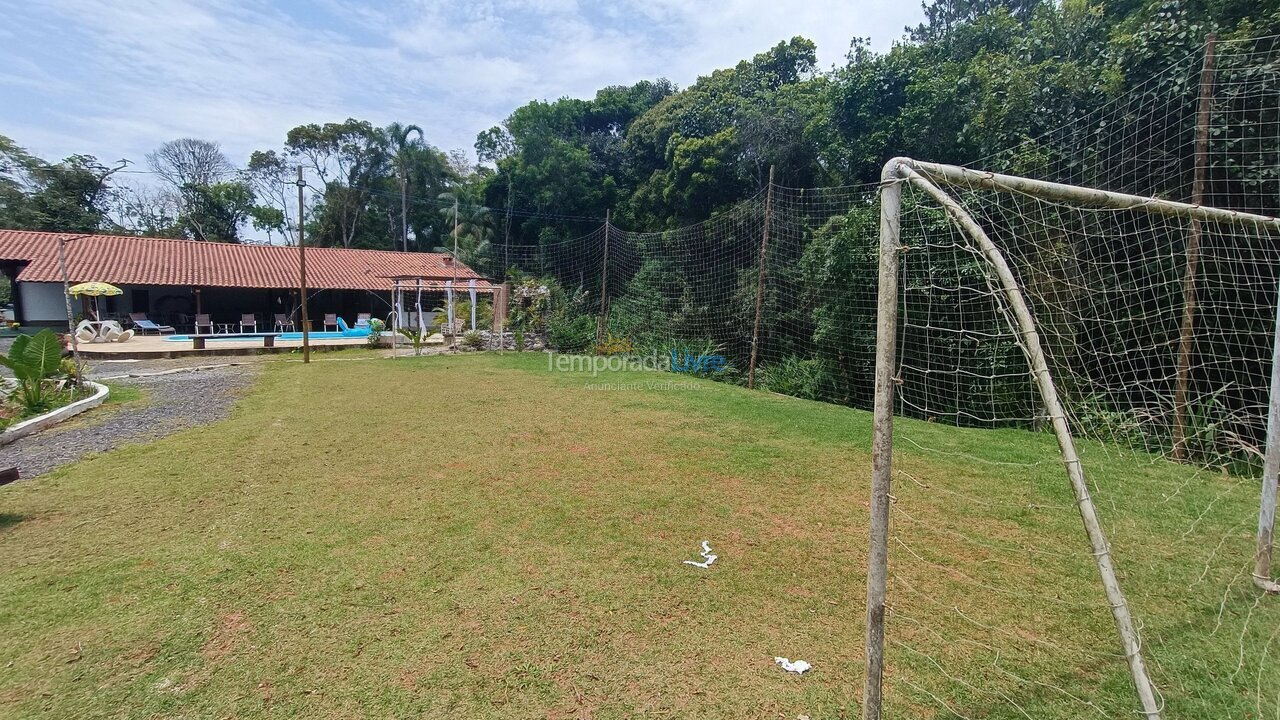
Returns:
<point x="117" y="78"/>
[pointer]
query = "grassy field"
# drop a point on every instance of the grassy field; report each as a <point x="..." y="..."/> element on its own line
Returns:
<point x="477" y="536"/>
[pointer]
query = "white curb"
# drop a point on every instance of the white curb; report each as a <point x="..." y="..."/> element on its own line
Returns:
<point x="40" y="422"/>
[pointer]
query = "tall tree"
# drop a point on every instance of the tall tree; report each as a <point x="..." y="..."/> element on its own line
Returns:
<point x="190" y="161"/>
<point x="402" y="155"/>
<point x="473" y="221"/>
<point x="74" y="195"/>
<point x="351" y="158"/>
<point x="272" y="182"/>
<point x="212" y="202"/>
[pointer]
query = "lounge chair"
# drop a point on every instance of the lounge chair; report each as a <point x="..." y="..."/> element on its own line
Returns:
<point x="144" y="325"/>
<point x="204" y="321"/>
<point x="249" y="321"/>
<point x="331" y="320"/>
<point x="283" y="323"/>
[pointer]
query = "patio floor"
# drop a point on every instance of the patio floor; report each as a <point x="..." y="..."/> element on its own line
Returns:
<point x="155" y="346"/>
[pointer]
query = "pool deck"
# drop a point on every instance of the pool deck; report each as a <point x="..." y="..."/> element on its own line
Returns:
<point x="145" y="347"/>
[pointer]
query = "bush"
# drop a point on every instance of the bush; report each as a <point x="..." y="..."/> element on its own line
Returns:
<point x="472" y="340"/>
<point x="702" y="358"/>
<point x="795" y="376"/>
<point x="34" y="360"/>
<point x="375" y="332"/>
<point x="571" y="333"/>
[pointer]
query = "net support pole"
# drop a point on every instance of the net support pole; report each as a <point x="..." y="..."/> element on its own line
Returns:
<point x="397" y="298"/>
<point x="1187" y="333"/>
<point x="882" y="442"/>
<point x="602" y="323"/>
<point x="1030" y="341"/>
<point x="302" y="273"/>
<point x="417" y="308"/>
<point x="1270" y="474"/>
<point x="471" y="291"/>
<point x="764" y="252"/>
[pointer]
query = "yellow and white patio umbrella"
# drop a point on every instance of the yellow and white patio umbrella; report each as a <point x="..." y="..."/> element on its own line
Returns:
<point x="94" y="290"/>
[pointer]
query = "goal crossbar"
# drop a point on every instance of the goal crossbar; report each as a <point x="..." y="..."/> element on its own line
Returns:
<point x="966" y="177"/>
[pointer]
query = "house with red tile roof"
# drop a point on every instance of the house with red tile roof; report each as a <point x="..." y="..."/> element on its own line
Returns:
<point x="173" y="280"/>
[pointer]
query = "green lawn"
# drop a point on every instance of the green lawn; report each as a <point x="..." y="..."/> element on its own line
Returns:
<point x="476" y="536"/>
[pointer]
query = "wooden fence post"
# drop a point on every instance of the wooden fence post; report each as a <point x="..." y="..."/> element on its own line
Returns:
<point x="602" y="323"/>
<point x="1187" y="335"/>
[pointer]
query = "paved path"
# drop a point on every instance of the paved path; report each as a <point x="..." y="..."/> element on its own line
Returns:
<point x="174" y="401"/>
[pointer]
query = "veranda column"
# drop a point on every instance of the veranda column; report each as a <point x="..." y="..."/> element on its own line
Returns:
<point x="448" y="293"/>
<point x="471" y="288"/>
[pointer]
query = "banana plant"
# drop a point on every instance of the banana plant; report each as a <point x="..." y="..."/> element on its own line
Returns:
<point x="34" y="359"/>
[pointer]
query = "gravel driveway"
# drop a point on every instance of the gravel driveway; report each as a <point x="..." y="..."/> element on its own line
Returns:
<point x="174" y="401"/>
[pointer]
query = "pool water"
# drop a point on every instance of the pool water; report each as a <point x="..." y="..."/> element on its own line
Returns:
<point x="324" y="335"/>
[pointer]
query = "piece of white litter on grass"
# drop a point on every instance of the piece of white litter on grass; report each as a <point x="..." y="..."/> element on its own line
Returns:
<point x="708" y="558"/>
<point x="798" y="667"/>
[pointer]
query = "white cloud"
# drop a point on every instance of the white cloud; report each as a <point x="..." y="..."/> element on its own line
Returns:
<point x="115" y="79"/>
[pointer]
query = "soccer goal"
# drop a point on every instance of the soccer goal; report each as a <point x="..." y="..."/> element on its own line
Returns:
<point x="1124" y="325"/>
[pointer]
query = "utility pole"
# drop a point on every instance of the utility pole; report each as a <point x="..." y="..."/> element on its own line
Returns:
<point x="302" y="272"/>
<point x="404" y="209"/>
<point x="452" y="320"/>
<point x="506" y="233"/>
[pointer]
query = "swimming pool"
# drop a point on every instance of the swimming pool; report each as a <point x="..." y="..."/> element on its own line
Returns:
<point x="313" y="335"/>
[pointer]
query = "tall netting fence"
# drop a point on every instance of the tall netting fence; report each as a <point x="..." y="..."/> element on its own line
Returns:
<point x="1157" y="330"/>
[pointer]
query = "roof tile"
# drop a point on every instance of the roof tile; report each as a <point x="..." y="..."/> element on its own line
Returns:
<point x="130" y="260"/>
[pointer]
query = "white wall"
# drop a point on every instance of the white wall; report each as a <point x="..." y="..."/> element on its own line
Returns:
<point x="42" y="302"/>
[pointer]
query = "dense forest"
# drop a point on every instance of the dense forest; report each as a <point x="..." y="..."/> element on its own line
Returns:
<point x="976" y="78"/>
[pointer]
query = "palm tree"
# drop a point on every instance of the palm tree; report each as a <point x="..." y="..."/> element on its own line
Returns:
<point x="402" y="149"/>
<point x="473" y="223"/>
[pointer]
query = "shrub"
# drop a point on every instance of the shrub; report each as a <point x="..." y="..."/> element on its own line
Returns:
<point x="571" y="333"/>
<point x="375" y="332"/>
<point x="473" y="340"/>
<point x="415" y="338"/>
<point x="34" y="359"/>
<point x="703" y="359"/>
<point x="794" y="376"/>
<point x="70" y="370"/>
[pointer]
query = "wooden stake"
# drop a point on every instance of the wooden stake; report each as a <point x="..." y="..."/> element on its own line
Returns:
<point x="764" y="253"/>
<point x="1187" y="335"/>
